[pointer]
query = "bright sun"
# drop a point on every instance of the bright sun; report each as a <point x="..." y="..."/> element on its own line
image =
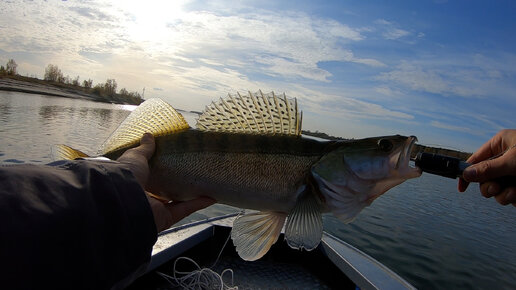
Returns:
<point x="148" y="19"/>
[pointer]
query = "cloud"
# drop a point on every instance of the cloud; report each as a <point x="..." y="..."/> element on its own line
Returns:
<point x="462" y="77"/>
<point x="270" y="43"/>
<point x="287" y="45"/>
<point x="92" y="13"/>
<point x="387" y="91"/>
<point x="389" y="30"/>
<point x="369" y="61"/>
<point x="344" y="107"/>
<point x="395" y="33"/>
<point x="277" y="66"/>
<point x="462" y="129"/>
<point x="417" y="78"/>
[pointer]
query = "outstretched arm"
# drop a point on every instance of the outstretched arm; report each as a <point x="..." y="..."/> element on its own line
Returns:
<point x="81" y="224"/>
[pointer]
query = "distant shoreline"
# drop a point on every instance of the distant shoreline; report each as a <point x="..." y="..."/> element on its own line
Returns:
<point x="37" y="86"/>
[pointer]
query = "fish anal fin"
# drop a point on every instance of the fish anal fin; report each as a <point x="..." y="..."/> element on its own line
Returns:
<point x="254" y="233"/>
<point x="256" y="113"/>
<point x="153" y="116"/>
<point x="63" y="152"/>
<point x="304" y="227"/>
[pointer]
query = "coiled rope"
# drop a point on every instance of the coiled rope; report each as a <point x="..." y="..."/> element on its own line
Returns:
<point x="201" y="278"/>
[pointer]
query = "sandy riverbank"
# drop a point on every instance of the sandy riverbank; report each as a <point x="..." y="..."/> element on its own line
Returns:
<point x="39" y="87"/>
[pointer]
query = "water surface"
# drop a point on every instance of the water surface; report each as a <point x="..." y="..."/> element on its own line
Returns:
<point x="423" y="229"/>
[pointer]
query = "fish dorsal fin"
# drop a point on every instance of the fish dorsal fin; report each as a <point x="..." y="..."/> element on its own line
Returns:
<point x="153" y="116"/>
<point x="254" y="233"/>
<point x="63" y="152"/>
<point x="304" y="227"/>
<point x="256" y="113"/>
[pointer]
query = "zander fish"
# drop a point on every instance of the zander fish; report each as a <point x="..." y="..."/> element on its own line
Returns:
<point x="248" y="152"/>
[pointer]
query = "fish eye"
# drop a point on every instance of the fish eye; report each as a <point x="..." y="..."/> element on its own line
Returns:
<point x="385" y="145"/>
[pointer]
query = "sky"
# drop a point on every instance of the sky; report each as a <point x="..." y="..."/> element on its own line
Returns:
<point x="444" y="71"/>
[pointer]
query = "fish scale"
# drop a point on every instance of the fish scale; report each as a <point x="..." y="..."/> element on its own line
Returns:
<point x="240" y="163"/>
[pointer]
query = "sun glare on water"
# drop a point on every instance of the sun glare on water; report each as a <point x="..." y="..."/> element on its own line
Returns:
<point x="128" y="107"/>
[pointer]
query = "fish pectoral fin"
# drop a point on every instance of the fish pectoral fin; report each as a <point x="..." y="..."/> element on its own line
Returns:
<point x="344" y="203"/>
<point x="304" y="226"/>
<point x="256" y="113"/>
<point x="63" y="152"/>
<point x="254" y="233"/>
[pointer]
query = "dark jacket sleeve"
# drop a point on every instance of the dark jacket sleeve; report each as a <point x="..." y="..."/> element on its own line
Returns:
<point x="72" y="225"/>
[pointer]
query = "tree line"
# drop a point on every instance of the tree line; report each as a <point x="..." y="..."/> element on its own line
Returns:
<point x="54" y="75"/>
<point x="107" y="89"/>
<point x="9" y="69"/>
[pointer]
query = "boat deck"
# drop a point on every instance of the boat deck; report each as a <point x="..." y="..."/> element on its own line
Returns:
<point x="334" y="264"/>
<point x="280" y="268"/>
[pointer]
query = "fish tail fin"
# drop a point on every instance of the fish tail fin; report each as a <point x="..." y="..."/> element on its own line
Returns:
<point x="254" y="233"/>
<point x="304" y="227"/>
<point x="63" y="152"/>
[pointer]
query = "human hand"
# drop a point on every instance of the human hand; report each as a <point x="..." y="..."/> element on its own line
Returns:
<point x="165" y="214"/>
<point x="485" y="170"/>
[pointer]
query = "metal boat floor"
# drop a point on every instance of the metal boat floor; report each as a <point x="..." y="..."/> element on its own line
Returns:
<point x="334" y="264"/>
<point x="280" y="268"/>
<point x="269" y="275"/>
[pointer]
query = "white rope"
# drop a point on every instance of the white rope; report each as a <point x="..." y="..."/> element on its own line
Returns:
<point x="201" y="278"/>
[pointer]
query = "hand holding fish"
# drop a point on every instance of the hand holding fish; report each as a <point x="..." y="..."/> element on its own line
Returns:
<point x="495" y="159"/>
<point x="165" y="214"/>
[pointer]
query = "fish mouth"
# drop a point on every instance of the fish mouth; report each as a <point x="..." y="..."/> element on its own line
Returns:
<point x="404" y="158"/>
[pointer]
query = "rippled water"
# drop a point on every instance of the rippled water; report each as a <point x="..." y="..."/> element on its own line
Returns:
<point x="423" y="229"/>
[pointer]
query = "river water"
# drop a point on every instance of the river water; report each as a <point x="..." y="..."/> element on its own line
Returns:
<point x="423" y="229"/>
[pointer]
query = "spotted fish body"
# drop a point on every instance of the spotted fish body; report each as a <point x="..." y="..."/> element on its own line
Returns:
<point x="248" y="171"/>
<point x="248" y="153"/>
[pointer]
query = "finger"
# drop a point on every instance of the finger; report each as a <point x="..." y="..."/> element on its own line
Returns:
<point x="510" y="195"/>
<point x="145" y="150"/>
<point x="488" y="169"/>
<point x="484" y="152"/>
<point x="136" y="159"/>
<point x="180" y="210"/>
<point x="147" y="146"/>
<point x="507" y="196"/>
<point x="462" y="185"/>
<point x="487" y="150"/>
<point x="490" y="188"/>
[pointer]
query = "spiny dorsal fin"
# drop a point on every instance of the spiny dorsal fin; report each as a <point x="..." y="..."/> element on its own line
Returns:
<point x="256" y="113"/>
<point x="63" y="152"/>
<point x="304" y="227"/>
<point x="253" y="234"/>
<point x="153" y="116"/>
